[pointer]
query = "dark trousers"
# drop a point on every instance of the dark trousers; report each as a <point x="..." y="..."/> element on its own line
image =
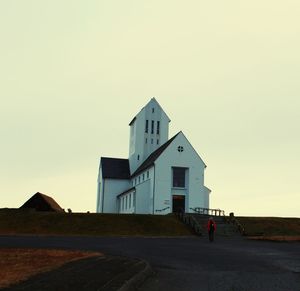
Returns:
<point x="211" y="235"/>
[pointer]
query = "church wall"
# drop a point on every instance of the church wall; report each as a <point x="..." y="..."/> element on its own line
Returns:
<point x="136" y="143"/>
<point x="142" y="198"/>
<point x="99" y="191"/>
<point x="189" y="159"/>
<point x="112" y="188"/>
<point x="143" y="143"/>
<point x="206" y="197"/>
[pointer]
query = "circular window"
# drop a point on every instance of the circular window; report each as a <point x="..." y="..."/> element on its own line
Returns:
<point x="180" y="149"/>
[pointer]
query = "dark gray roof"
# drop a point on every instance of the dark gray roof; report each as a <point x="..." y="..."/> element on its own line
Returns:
<point x="127" y="191"/>
<point x="153" y="157"/>
<point x="132" y="121"/>
<point x="113" y="168"/>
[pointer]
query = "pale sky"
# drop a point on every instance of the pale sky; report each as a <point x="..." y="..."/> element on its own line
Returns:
<point x="74" y="73"/>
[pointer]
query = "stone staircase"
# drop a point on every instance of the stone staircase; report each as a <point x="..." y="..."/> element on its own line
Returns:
<point x="199" y="224"/>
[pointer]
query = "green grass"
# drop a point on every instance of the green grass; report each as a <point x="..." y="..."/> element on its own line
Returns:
<point x="50" y="223"/>
<point x="270" y="226"/>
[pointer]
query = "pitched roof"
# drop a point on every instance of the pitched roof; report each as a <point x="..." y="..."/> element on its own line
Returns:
<point x="42" y="202"/>
<point x="153" y="157"/>
<point x="125" y="192"/>
<point x="113" y="168"/>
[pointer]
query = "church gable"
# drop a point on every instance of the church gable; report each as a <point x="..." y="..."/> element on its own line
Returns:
<point x="153" y="157"/>
<point x="180" y="152"/>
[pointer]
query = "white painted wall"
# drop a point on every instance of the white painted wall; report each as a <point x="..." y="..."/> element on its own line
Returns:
<point x="143" y="198"/>
<point x="206" y="197"/>
<point x="99" y="190"/>
<point x="112" y="188"/>
<point x="163" y="173"/>
<point x="136" y="146"/>
<point x="126" y="203"/>
<point x="153" y="112"/>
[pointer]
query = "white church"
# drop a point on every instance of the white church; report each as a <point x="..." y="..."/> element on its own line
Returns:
<point x="160" y="176"/>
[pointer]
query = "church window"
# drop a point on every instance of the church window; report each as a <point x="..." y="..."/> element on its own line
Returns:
<point x="147" y="174"/>
<point x="157" y="127"/>
<point x="139" y="179"/>
<point x="179" y="177"/>
<point x="157" y="141"/>
<point x="143" y="177"/>
<point x="180" y="149"/>
<point x="152" y="126"/>
<point x="152" y="110"/>
<point x="138" y="157"/>
<point x="146" y="126"/>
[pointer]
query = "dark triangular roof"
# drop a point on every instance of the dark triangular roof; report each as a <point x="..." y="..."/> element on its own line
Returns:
<point x="48" y="204"/>
<point x="113" y="168"/>
<point x="153" y="157"/>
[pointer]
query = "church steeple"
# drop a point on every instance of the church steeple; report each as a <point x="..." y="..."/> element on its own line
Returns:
<point x="149" y="129"/>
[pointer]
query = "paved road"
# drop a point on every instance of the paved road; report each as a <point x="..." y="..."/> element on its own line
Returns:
<point x="193" y="263"/>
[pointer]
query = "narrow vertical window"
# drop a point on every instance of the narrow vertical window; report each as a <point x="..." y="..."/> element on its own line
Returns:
<point x="129" y="200"/>
<point x="146" y="140"/>
<point x="143" y="177"/>
<point x="152" y="110"/>
<point x="157" y="128"/>
<point x="152" y="126"/>
<point x="151" y="140"/>
<point x="146" y="126"/>
<point x="157" y="141"/>
<point x="179" y="177"/>
<point x="139" y="179"/>
<point x="138" y="157"/>
<point x="147" y="174"/>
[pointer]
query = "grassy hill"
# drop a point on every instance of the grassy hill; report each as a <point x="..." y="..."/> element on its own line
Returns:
<point x="270" y="226"/>
<point x="13" y="221"/>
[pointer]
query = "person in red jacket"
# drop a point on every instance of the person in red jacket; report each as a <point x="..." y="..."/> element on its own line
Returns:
<point x="211" y="228"/>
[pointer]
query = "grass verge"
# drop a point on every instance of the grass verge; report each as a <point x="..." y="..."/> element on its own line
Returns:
<point x="278" y="238"/>
<point x="271" y="228"/>
<point x="92" y="224"/>
<point x="17" y="265"/>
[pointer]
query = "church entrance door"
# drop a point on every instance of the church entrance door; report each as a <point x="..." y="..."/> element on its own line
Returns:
<point x="178" y="203"/>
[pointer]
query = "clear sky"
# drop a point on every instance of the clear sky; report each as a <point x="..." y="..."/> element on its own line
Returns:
<point x="74" y="73"/>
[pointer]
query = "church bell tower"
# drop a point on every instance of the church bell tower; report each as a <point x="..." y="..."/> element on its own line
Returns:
<point x="149" y="129"/>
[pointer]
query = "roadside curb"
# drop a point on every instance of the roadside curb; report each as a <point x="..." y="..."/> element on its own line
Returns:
<point x="138" y="278"/>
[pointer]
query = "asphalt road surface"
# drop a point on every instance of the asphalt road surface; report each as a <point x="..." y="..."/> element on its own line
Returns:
<point x="192" y="263"/>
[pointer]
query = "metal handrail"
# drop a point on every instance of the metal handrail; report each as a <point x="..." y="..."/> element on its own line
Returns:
<point x="208" y="211"/>
<point x="161" y="210"/>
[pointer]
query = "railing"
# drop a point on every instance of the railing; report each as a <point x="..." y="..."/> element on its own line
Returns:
<point x="161" y="210"/>
<point x="208" y="211"/>
<point x="190" y="221"/>
<point x="232" y="219"/>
